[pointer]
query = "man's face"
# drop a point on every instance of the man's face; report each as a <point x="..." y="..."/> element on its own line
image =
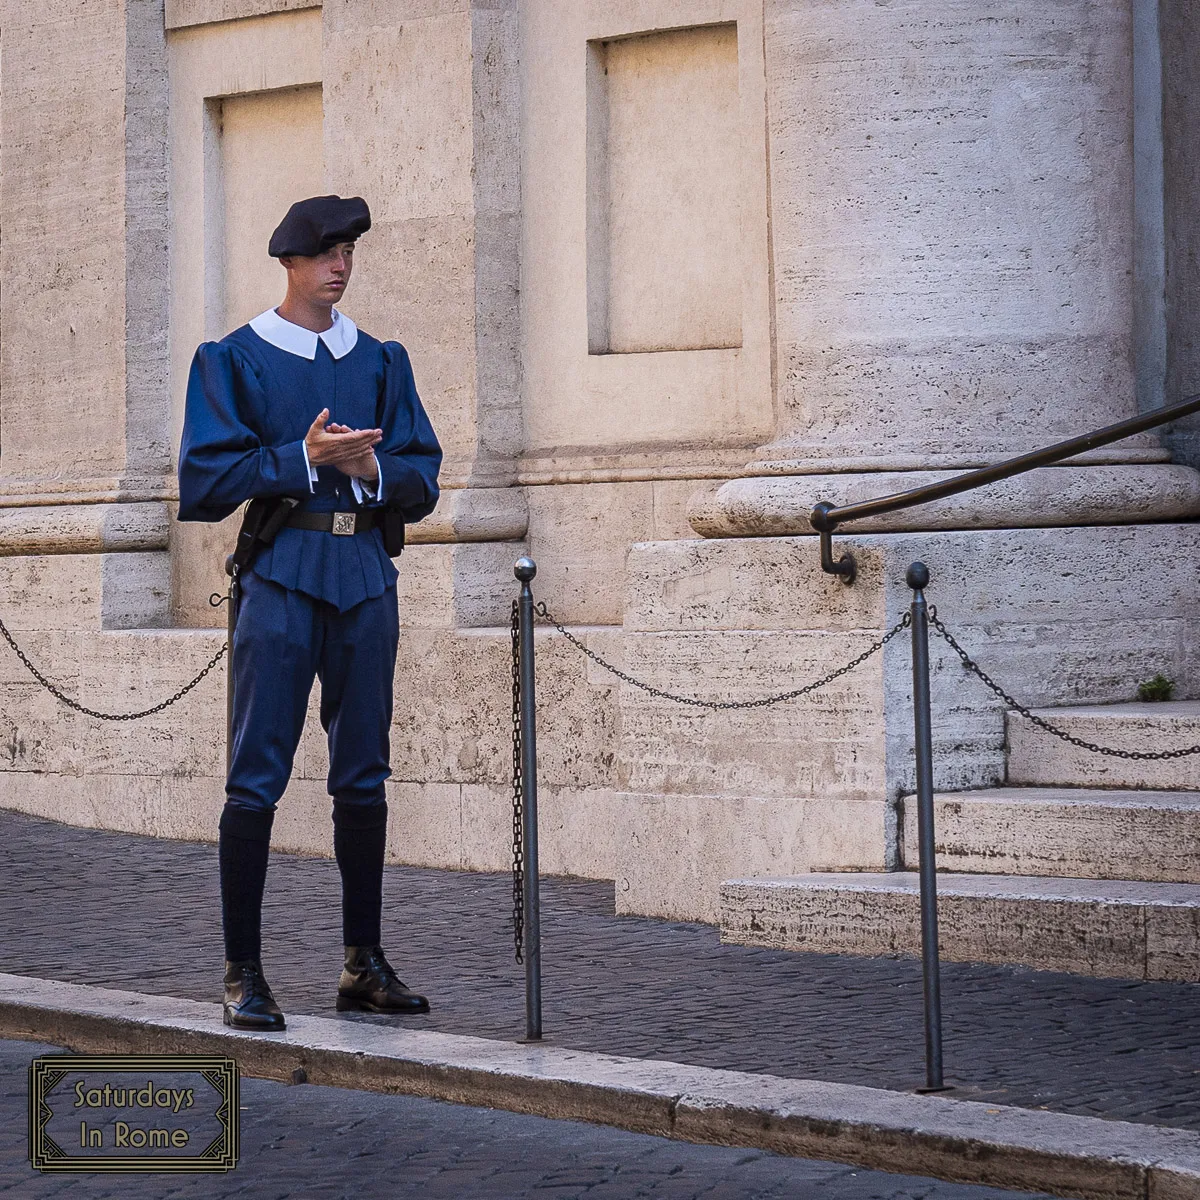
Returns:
<point x="321" y="278"/>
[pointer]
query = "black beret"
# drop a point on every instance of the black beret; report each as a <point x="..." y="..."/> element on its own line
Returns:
<point x="312" y="226"/>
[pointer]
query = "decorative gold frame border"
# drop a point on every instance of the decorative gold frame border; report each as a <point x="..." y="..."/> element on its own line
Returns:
<point x="220" y="1072"/>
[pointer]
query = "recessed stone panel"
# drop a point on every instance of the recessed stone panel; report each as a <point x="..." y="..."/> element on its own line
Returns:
<point x="270" y="157"/>
<point x="664" y="192"/>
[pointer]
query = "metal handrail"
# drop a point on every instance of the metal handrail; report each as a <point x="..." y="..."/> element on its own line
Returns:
<point x="826" y="517"/>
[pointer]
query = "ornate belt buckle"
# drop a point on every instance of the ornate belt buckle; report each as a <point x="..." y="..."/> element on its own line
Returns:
<point x="343" y="524"/>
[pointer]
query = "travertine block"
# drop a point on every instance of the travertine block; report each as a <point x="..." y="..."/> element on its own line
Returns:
<point x="760" y="584"/>
<point x="428" y="54"/>
<point x="707" y="795"/>
<point x="1014" y="599"/>
<point x="38" y="733"/>
<point x="487" y="829"/>
<point x="186" y="807"/>
<point x="671" y="500"/>
<point x="673" y="851"/>
<point x="303" y="819"/>
<point x="456" y="586"/>
<point x="169" y="807"/>
<point x="127" y="803"/>
<point x="135" y="670"/>
<point x="665" y="192"/>
<point x="656" y="407"/>
<point x="437" y="84"/>
<point x="1070" y="832"/>
<point x="831" y="741"/>
<point x="1036" y="757"/>
<point x="449" y="802"/>
<point x="56" y="653"/>
<point x="268" y="154"/>
<point x="453" y="715"/>
<point x="579" y="831"/>
<point x="425" y="824"/>
<point x="474" y="514"/>
<point x="235" y="58"/>
<point x="64" y="84"/>
<point x="1173" y="943"/>
<point x="453" y="707"/>
<point x="579" y="534"/>
<point x="84" y="591"/>
<point x="1121" y="930"/>
<point x="582" y="534"/>
<point x="579" y="718"/>
<point x="84" y="199"/>
<point x="82" y="528"/>
<point x="429" y="308"/>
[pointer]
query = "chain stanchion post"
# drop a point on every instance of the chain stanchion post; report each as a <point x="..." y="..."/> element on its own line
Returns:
<point x="918" y="579"/>
<point x="525" y="570"/>
<point x="230" y="625"/>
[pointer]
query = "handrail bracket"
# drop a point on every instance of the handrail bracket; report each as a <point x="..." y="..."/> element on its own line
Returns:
<point x="845" y="567"/>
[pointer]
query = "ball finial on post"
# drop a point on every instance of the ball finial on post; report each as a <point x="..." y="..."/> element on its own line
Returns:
<point x="525" y="569"/>
<point x="917" y="577"/>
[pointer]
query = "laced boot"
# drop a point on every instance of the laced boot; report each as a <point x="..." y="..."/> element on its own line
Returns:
<point x="369" y="984"/>
<point x="248" y="1000"/>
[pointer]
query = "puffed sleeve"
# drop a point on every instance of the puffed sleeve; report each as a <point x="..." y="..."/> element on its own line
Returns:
<point x="409" y="455"/>
<point x="222" y="460"/>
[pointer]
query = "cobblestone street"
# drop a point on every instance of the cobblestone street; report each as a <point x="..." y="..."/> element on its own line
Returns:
<point x="142" y="914"/>
<point x="314" y="1143"/>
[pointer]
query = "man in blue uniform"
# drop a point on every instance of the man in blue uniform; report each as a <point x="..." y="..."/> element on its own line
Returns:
<point x="301" y="404"/>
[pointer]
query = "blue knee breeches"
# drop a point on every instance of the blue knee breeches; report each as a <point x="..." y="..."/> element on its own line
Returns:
<point x="282" y="641"/>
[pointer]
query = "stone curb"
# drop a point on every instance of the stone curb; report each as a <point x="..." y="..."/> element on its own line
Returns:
<point x="956" y="1140"/>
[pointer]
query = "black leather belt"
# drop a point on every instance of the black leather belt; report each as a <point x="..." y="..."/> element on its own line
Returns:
<point x="343" y="524"/>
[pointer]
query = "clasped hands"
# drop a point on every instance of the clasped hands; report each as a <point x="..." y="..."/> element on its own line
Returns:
<point x="350" y="450"/>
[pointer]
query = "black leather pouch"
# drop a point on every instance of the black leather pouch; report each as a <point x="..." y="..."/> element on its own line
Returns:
<point x="261" y="521"/>
<point x="393" y="532"/>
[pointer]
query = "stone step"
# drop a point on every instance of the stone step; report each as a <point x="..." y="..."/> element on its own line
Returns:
<point x="1089" y="833"/>
<point x="1119" y="929"/>
<point x="1037" y="757"/>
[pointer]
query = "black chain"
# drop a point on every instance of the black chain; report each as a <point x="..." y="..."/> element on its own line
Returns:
<point x="795" y="693"/>
<point x="518" y="797"/>
<point x="1041" y="722"/>
<point x="91" y="712"/>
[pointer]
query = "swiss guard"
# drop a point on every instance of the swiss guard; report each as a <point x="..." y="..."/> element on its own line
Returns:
<point x="318" y="425"/>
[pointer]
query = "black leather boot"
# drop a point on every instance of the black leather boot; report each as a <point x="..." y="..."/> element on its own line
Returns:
<point x="248" y="1000"/>
<point x="368" y="984"/>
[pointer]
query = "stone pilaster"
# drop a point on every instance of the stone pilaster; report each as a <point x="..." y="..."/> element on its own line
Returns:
<point x="83" y="205"/>
<point x="422" y="117"/>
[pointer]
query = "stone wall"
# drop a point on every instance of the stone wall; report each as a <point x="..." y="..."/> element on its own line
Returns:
<point x="664" y="267"/>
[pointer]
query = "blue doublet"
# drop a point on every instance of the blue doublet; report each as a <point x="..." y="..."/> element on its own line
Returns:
<point x="312" y="603"/>
<point x="249" y="405"/>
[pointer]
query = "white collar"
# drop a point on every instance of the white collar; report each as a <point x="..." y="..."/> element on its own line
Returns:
<point x="340" y="337"/>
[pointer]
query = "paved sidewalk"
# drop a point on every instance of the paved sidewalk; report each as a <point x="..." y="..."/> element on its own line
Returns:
<point x="142" y="914"/>
<point x="317" y="1142"/>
